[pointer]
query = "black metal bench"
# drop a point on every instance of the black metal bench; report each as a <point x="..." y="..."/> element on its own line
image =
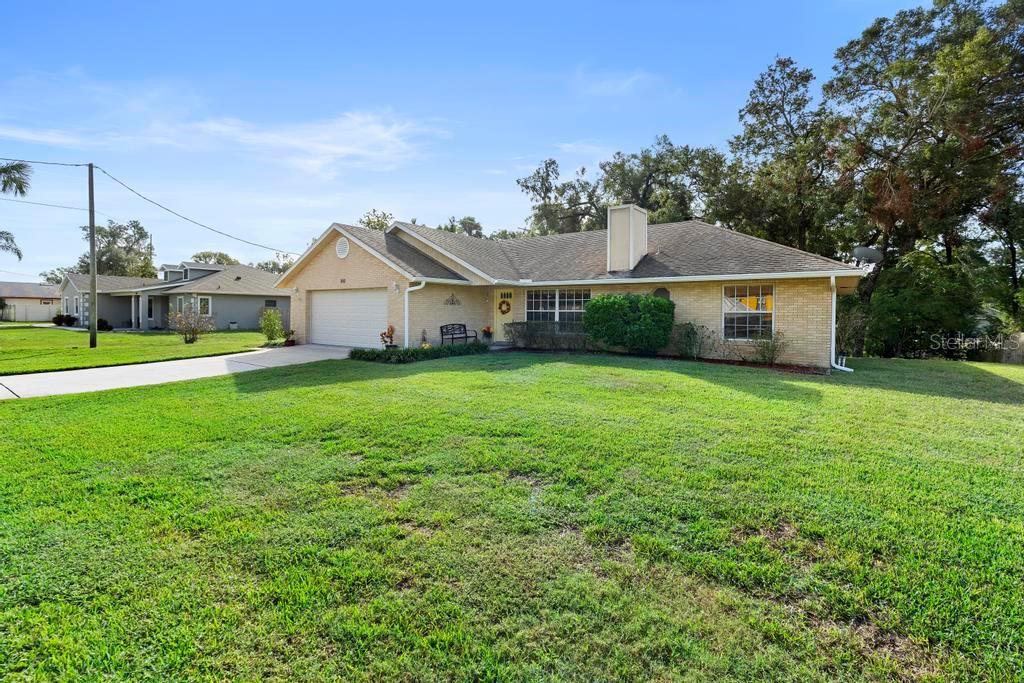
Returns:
<point x="454" y="332"/>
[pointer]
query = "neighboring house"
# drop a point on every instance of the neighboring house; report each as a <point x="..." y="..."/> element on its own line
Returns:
<point x="28" y="302"/>
<point x="231" y="295"/>
<point x="353" y="282"/>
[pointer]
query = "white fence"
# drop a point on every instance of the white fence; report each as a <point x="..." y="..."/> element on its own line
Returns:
<point x="1013" y="351"/>
<point x="29" y="313"/>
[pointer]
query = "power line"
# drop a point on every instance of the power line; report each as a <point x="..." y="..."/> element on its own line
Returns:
<point x="186" y="218"/>
<point x="55" y="206"/>
<point x="144" y="197"/>
<point x="44" y="163"/>
<point x="14" y="272"/>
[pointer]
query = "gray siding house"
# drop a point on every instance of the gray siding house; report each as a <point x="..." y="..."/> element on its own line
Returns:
<point x="234" y="296"/>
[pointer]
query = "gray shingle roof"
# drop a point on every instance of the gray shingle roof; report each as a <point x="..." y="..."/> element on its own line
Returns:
<point x="402" y="254"/>
<point x="203" y="266"/>
<point x="111" y="283"/>
<point x="488" y="256"/>
<point x="27" y="290"/>
<point x="231" y="280"/>
<point x="685" y="249"/>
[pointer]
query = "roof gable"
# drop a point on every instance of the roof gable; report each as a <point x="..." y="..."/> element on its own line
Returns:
<point x="402" y="257"/>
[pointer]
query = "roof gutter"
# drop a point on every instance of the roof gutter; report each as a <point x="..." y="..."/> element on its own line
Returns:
<point x="832" y="343"/>
<point x="685" y="278"/>
<point x="405" y="323"/>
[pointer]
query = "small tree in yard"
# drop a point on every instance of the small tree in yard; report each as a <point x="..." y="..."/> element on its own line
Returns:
<point x="190" y="324"/>
<point x="642" y="323"/>
<point x="270" y="324"/>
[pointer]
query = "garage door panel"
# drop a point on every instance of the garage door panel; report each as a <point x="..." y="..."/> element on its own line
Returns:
<point x="348" y="317"/>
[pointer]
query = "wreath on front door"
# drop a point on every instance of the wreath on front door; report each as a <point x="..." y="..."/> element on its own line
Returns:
<point x="504" y="307"/>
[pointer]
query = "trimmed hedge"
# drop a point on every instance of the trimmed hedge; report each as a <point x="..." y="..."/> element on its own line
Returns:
<point x="640" y="323"/>
<point x="547" y="335"/>
<point x="411" y="355"/>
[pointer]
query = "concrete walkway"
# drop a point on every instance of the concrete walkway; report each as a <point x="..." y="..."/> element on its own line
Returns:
<point x="121" y="376"/>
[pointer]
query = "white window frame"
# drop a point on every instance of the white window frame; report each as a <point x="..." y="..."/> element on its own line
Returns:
<point x="181" y="304"/>
<point x="65" y="306"/>
<point x="149" y="308"/>
<point x="77" y="311"/>
<point x="558" y="301"/>
<point x="775" y="302"/>
<point x="209" y="305"/>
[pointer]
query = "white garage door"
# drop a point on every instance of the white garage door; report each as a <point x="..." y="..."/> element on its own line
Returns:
<point x="348" y="317"/>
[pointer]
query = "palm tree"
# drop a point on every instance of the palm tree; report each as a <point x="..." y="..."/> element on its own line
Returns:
<point x="13" y="180"/>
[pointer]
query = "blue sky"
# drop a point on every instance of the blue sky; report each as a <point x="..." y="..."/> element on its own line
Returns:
<point x="271" y="120"/>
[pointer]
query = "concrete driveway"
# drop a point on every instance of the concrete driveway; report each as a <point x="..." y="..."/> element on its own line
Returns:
<point x="121" y="376"/>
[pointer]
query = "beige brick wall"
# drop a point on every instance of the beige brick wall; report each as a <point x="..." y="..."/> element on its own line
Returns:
<point x="802" y="314"/>
<point x="434" y="305"/>
<point x="359" y="270"/>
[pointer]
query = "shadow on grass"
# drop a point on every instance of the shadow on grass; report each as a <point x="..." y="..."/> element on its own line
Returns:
<point x="948" y="379"/>
<point x="603" y="372"/>
<point x="989" y="382"/>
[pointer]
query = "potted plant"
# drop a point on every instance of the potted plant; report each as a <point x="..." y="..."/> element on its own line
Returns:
<point x="488" y="333"/>
<point x="289" y="339"/>
<point x="387" y="338"/>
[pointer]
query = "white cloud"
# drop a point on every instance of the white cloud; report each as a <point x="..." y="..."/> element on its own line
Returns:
<point x="611" y="83"/>
<point x="362" y="139"/>
<point x="353" y="139"/>
<point x="158" y="115"/>
<point x="42" y="136"/>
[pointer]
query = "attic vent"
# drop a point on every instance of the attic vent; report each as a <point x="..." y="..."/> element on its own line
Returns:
<point x="341" y="248"/>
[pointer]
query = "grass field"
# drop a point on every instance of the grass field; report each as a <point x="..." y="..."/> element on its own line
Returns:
<point x="42" y="349"/>
<point x="515" y="516"/>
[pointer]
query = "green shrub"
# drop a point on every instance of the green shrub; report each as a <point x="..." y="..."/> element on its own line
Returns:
<point x="103" y="325"/>
<point x="767" y="350"/>
<point x="692" y="341"/>
<point x="640" y="323"/>
<point x="411" y="355"/>
<point x="270" y="324"/>
<point x="59" y="319"/>
<point x="550" y="336"/>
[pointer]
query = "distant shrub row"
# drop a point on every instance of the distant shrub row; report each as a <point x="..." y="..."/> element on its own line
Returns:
<point x="70" y="321"/>
<point x="411" y="355"/>
<point x="64" y="320"/>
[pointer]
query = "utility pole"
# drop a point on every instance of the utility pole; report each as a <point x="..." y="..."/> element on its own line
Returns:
<point x="93" y="307"/>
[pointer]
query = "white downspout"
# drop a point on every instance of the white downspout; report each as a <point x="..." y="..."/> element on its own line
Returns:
<point x="405" y="324"/>
<point x="832" y="343"/>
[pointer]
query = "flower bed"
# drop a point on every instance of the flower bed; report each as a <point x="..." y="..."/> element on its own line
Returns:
<point x="411" y="355"/>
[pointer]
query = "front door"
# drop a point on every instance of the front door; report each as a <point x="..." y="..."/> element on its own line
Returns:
<point x="504" y="306"/>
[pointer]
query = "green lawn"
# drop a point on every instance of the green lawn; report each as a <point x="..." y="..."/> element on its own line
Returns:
<point x="515" y="516"/>
<point x="42" y="349"/>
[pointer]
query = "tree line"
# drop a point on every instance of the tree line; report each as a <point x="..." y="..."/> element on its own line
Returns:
<point x="127" y="249"/>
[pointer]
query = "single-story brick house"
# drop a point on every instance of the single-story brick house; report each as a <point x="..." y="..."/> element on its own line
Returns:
<point x="234" y="296"/>
<point x="28" y="302"/>
<point x="353" y="282"/>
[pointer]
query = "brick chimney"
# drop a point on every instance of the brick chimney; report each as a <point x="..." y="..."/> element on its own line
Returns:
<point x="627" y="236"/>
